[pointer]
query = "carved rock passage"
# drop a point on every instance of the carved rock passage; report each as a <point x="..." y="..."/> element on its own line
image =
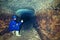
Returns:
<point x="49" y="24"/>
<point x="29" y="34"/>
<point x="46" y="25"/>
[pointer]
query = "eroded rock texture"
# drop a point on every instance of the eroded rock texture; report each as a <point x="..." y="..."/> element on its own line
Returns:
<point x="49" y="24"/>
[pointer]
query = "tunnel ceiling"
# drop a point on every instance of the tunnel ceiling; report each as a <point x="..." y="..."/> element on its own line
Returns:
<point x="13" y="5"/>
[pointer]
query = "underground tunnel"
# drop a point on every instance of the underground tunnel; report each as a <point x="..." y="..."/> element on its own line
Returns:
<point x="28" y="16"/>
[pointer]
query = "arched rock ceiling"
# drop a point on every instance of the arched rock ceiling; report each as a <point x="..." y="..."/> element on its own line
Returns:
<point x="36" y="4"/>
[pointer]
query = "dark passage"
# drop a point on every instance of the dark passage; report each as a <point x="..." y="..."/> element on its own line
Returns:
<point x="28" y="16"/>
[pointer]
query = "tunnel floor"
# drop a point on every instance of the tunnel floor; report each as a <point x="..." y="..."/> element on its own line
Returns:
<point x="25" y="35"/>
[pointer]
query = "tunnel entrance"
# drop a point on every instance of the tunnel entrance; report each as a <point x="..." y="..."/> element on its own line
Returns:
<point x="28" y="16"/>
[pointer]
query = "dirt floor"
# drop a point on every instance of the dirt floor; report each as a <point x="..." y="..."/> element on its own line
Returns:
<point x="25" y="35"/>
